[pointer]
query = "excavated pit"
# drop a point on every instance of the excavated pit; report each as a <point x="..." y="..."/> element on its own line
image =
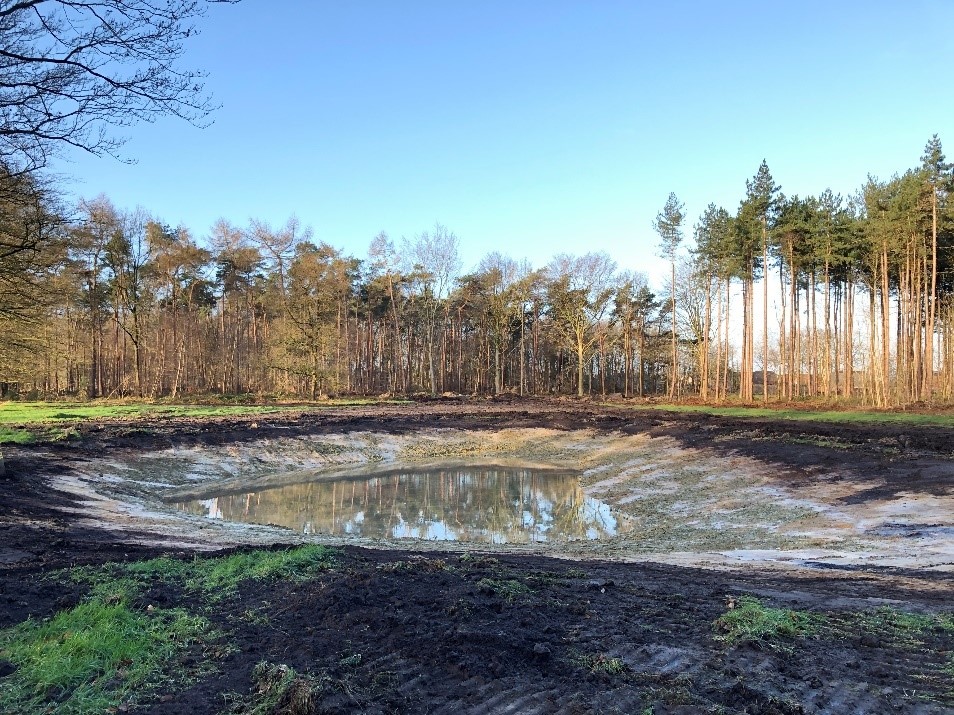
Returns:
<point x="630" y="497"/>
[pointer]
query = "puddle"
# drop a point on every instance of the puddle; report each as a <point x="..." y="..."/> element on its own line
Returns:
<point x="467" y="504"/>
<point x="913" y="531"/>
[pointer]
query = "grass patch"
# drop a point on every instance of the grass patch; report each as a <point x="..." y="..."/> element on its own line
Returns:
<point x="112" y="650"/>
<point x="46" y="413"/>
<point x="895" y="628"/>
<point x="217" y="576"/>
<point x="903" y="633"/>
<point x="53" y="412"/>
<point x="509" y="590"/>
<point x="16" y="436"/>
<point x="601" y="664"/>
<point x="417" y="564"/>
<point x="95" y="656"/>
<point x="752" y="622"/>
<point x="913" y="419"/>
<point x="280" y="689"/>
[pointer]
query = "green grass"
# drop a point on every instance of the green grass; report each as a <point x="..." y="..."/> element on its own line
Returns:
<point x="913" y="419"/>
<point x="509" y="590"/>
<point x="895" y="628"/>
<point x="903" y="632"/>
<point x="598" y="663"/>
<point x="95" y="656"/>
<point x="216" y="577"/>
<point x="752" y="622"/>
<point x="16" y="436"/>
<point x="22" y="413"/>
<point x="53" y="420"/>
<point x="107" y="652"/>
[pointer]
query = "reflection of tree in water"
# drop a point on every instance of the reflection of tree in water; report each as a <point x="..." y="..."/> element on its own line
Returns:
<point x="497" y="505"/>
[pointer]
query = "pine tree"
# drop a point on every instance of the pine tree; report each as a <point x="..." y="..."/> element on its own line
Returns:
<point x="668" y="225"/>
<point x="937" y="174"/>
<point x="756" y="218"/>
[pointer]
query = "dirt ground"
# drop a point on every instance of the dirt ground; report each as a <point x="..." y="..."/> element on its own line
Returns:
<point x="393" y="630"/>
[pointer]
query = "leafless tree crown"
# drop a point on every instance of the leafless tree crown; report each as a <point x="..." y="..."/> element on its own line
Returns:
<point x="72" y="72"/>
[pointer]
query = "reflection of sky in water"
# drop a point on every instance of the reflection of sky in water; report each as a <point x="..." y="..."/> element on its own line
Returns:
<point x="476" y="504"/>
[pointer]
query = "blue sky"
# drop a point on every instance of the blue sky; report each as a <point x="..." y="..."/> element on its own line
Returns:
<point x="533" y="128"/>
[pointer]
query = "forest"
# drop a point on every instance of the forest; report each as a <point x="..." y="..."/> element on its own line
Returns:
<point x="787" y="297"/>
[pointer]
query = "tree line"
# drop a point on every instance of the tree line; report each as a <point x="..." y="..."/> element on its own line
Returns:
<point x="853" y="296"/>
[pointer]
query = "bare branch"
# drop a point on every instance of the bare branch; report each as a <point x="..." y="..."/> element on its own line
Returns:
<point x="72" y="72"/>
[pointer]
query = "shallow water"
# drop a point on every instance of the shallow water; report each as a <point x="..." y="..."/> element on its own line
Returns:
<point x="478" y="504"/>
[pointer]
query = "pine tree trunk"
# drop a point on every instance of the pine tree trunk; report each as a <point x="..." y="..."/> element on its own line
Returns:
<point x="765" y="353"/>
<point x="674" y="376"/>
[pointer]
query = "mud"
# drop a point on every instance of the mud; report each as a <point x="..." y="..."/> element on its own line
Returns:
<point x="390" y="630"/>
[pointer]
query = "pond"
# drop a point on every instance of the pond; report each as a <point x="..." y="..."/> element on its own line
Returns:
<point x="475" y="504"/>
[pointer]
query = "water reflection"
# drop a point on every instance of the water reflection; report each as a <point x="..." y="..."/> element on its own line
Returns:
<point x="492" y="505"/>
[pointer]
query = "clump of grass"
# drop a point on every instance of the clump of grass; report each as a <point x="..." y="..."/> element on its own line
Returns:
<point x="95" y="656"/>
<point x="278" y="688"/>
<point x="350" y="661"/>
<point x="750" y="621"/>
<point x="508" y="589"/>
<point x="601" y="664"/>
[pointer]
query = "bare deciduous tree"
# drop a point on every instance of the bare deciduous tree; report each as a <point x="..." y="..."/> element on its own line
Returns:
<point x="72" y="72"/>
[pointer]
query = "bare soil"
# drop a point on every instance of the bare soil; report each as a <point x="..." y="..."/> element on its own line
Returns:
<point x="398" y="631"/>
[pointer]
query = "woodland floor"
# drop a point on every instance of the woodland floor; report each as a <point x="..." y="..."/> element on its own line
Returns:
<point x="392" y="630"/>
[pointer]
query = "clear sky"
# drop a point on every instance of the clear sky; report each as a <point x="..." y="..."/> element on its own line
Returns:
<point x="535" y="127"/>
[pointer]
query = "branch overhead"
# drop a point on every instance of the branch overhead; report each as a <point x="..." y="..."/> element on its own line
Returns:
<point x="72" y="72"/>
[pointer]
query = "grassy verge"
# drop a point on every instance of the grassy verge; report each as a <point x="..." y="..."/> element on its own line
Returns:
<point x="112" y="651"/>
<point x="913" y="419"/>
<point x="510" y="590"/>
<point x="25" y="422"/>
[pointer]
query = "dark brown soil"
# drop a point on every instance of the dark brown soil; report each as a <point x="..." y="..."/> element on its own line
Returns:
<point x="388" y="631"/>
